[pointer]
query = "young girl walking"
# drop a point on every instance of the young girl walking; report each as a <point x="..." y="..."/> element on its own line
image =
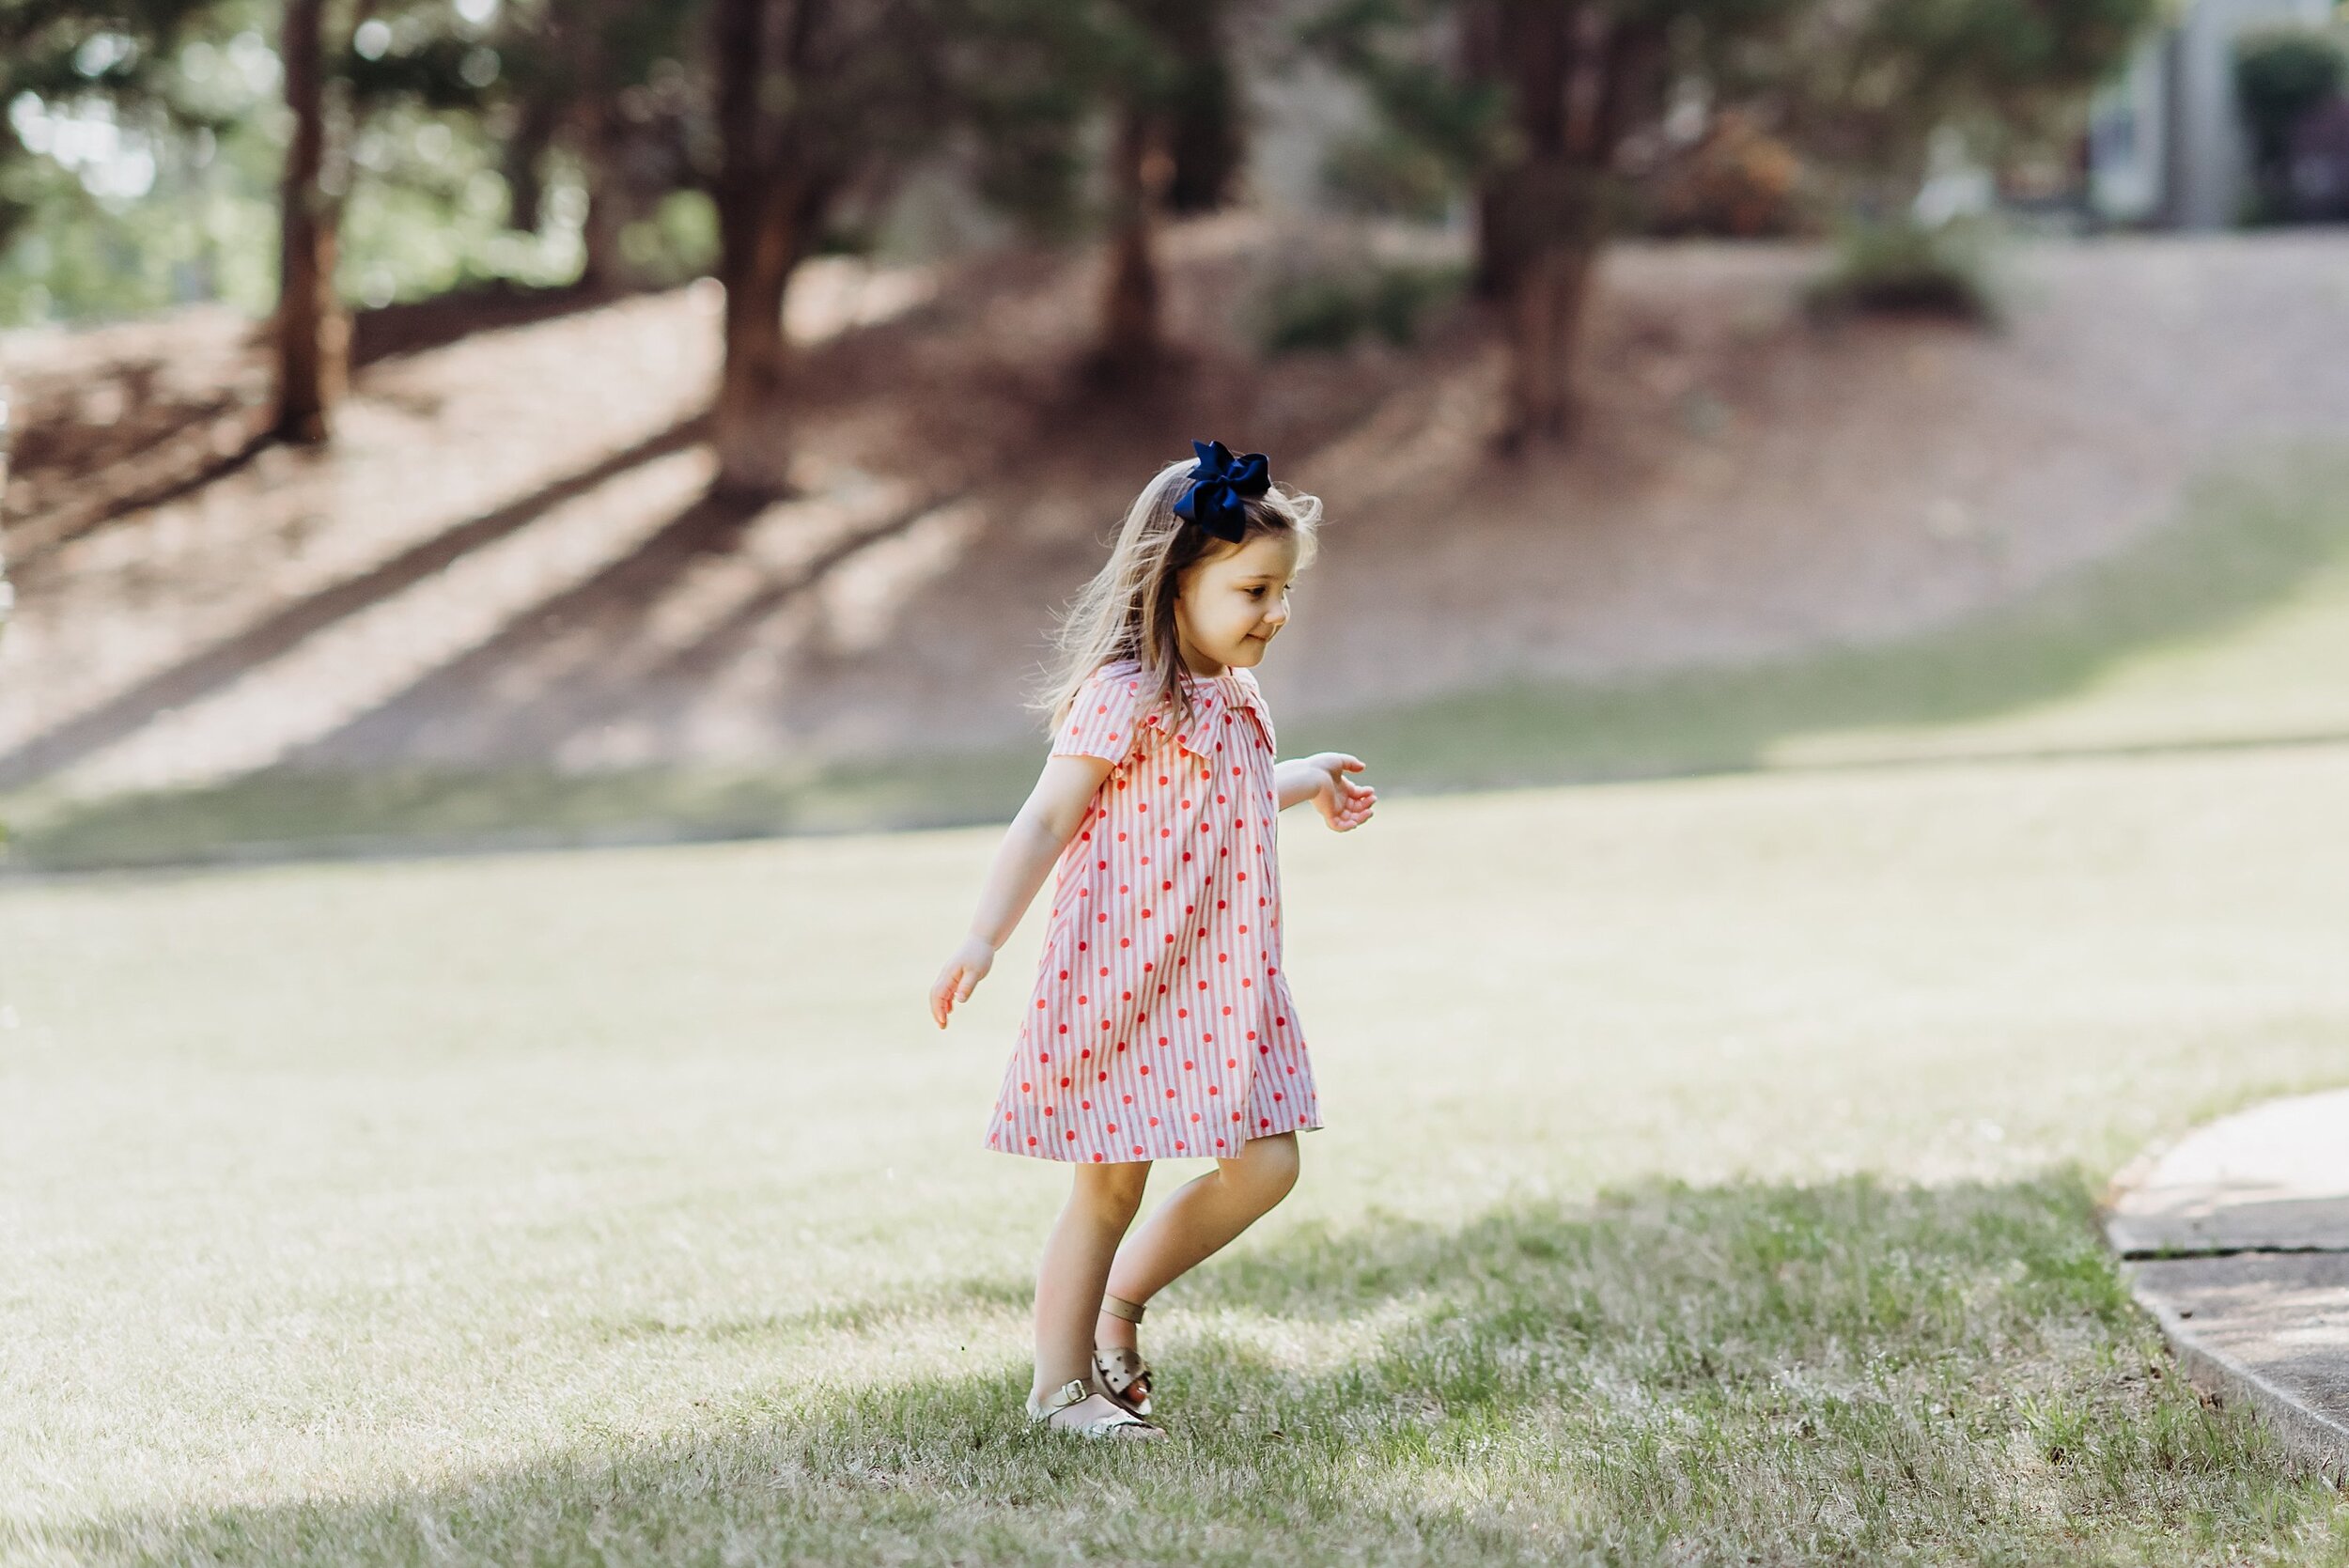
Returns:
<point x="1160" y="1026"/>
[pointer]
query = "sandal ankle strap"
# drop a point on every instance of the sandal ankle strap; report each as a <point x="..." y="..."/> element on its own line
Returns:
<point x="1117" y="1306"/>
<point x="1074" y="1391"/>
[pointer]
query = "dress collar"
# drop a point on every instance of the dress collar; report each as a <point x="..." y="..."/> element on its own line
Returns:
<point x="1210" y="698"/>
<point x="1214" y="697"/>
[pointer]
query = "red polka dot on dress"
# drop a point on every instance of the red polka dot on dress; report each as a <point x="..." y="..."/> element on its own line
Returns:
<point x="1162" y="1026"/>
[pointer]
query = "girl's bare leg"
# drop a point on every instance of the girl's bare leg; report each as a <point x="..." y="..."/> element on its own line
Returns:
<point x="1074" y="1270"/>
<point x="1198" y="1221"/>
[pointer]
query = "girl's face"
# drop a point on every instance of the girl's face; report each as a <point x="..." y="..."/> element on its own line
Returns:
<point x="1230" y="604"/>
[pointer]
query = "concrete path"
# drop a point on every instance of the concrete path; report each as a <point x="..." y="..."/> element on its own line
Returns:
<point x="2237" y="1240"/>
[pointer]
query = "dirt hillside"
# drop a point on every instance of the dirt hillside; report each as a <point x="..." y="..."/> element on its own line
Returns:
<point x="508" y="558"/>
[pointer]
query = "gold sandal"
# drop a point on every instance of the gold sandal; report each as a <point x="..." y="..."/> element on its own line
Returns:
<point x="1117" y="1369"/>
<point x="1121" y="1423"/>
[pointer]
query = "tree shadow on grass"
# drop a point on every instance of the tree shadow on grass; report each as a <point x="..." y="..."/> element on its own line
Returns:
<point x="418" y="326"/>
<point x="415" y="811"/>
<point x="193" y="679"/>
<point x="2247" y="543"/>
<point x="1849" y="1372"/>
<point x="566" y="665"/>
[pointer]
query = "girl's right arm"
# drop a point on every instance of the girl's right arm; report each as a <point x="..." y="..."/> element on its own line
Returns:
<point x="1055" y="809"/>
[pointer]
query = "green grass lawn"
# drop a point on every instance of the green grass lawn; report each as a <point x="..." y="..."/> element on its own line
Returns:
<point x="1709" y="1179"/>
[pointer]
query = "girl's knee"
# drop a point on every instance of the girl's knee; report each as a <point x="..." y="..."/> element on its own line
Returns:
<point x="1268" y="1166"/>
<point x="1112" y="1190"/>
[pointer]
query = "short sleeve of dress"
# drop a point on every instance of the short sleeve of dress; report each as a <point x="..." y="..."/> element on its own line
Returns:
<point x="1102" y="720"/>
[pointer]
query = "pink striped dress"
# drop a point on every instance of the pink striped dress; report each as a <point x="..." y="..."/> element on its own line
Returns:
<point x="1162" y="1026"/>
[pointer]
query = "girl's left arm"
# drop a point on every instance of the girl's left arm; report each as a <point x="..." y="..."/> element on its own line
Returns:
<point x="1322" y="778"/>
<point x="1055" y="809"/>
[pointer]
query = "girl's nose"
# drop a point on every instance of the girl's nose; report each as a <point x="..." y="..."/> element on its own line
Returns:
<point x="1277" y="614"/>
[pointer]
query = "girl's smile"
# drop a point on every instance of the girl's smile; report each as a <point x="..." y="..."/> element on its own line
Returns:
<point x="1233" y="603"/>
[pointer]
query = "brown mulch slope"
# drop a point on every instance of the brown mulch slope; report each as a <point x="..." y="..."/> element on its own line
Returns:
<point x="127" y="416"/>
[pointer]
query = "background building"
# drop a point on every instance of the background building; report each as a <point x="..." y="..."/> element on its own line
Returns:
<point x="2166" y="142"/>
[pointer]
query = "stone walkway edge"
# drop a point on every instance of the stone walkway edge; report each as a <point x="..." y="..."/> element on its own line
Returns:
<point x="2235" y="1238"/>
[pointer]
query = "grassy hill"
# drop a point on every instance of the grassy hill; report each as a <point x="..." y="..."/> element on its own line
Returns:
<point x="2227" y="629"/>
<point x="501" y="611"/>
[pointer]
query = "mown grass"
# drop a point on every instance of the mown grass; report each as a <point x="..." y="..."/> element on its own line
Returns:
<point x="1771" y="1373"/>
<point x="2229" y="627"/>
<point x="1709" y="1179"/>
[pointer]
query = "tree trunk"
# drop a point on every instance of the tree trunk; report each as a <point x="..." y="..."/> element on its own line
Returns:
<point x="524" y="153"/>
<point x="599" y="133"/>
<point x="1546" y="317"/>
<point x="758" y="240"/>
<point x="1206" y="139"/>
<point x="311" y="335"/>
<point x="1130" y="344"/>
<point x="603" y="268"/>
<point x="749" y="427"/>
<point x="7" y="593"/>
<point x="1499" y="241"/>
<point x="1578" y="78"/>
<point x="1484" y="57"/>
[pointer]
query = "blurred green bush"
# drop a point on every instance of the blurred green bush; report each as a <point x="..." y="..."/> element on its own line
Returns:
<point x="1333" y="308"/>
<point x="1899" y="266"/>
<point x="1387" y="174"/>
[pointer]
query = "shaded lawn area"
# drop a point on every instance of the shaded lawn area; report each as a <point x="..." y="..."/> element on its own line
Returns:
<point x="1710" y="1178"/>
<point x="2229" y="628"/>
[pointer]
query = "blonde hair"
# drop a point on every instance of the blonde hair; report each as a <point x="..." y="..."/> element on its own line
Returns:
<point x="1128" y="609"/>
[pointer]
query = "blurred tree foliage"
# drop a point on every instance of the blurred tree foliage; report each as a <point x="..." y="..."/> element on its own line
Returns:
<point x="1864" y="89"/>
<point x="1534" y="103"/>
<point x="421" y="145"/>
<point x="345" y="63"/>
<point x="1540" y="108"/>
<point x="152" y="179"/>
<point x="1382" y="172"/>
<point x="1327" y="308"/>
<point x="1157" y="77"/>
<point x="112" y="61"/>
<point x="607" y="89"/>
<point x="820" y="108"/>
<point x="622" y="142"/>
<point x="106" y="103"/>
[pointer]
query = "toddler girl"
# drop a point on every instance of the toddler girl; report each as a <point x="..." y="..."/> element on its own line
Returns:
<point x="1160" y="1026"/>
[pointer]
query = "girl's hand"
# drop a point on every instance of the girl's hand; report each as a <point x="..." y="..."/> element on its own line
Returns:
<point x="1343" y="803"/>
<point x="961" y="977"/>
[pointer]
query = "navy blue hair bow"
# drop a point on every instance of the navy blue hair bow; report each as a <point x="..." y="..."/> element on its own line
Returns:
<point x="1218" y="483"/>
